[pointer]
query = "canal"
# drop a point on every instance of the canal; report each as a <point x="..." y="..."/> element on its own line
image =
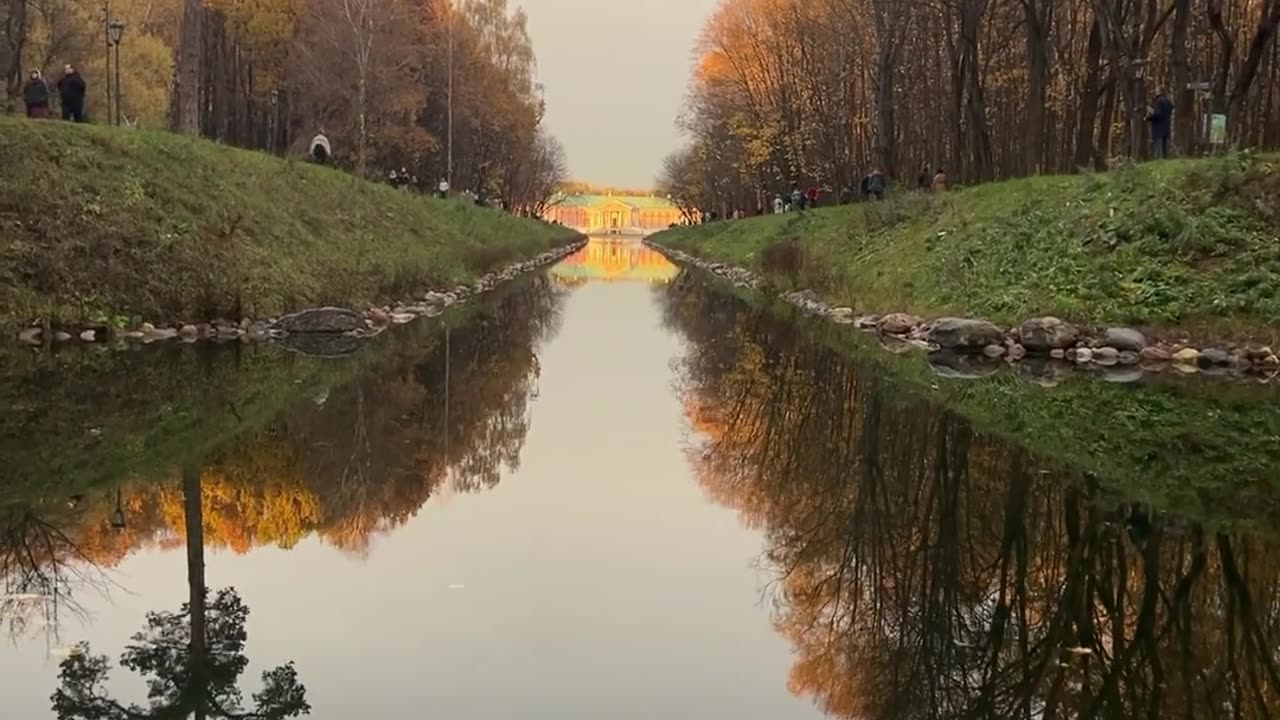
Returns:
<point x="619" y="490"/>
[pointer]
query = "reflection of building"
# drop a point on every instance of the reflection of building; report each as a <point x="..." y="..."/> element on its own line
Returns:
<point x="614" y="214"/>
<point x="602" y="260"/>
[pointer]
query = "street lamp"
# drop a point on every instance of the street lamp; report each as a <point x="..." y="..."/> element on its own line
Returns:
<point x="116" y="35"/>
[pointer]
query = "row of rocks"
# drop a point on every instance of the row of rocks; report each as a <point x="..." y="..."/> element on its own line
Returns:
<point x="1043" y="337"/>
<point x="325" y="320"/>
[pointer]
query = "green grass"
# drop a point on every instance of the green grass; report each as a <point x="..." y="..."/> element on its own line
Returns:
<point x="102" y="224"/>
<point x="1186" y="243"/>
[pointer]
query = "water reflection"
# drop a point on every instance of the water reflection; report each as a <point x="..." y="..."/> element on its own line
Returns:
<point x="925" y="569"/>
<point x="192" y="660"/>
<point x="441" y="410"/>
<point x="614" y="260"/>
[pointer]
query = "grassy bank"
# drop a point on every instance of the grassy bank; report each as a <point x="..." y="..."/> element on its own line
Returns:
<point x="1190" y="244"/>
<point x="101" y="224"/>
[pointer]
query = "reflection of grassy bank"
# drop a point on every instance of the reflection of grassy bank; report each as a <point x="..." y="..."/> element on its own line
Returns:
<point x="1204" y="451"/>
<point x="928" y="569"/>
<point x="79" y="419"/>
<point x="1189" y="242"/>
<point x="100" y="223"/>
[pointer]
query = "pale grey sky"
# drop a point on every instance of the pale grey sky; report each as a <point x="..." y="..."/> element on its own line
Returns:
<point x="615" y="135"/>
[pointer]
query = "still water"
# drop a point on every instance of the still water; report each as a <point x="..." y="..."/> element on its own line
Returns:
<point x="617" y="491"/>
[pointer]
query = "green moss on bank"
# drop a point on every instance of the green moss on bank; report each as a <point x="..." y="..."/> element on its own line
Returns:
<point x="98" y="223"/>
<point x="1188" y="243"/>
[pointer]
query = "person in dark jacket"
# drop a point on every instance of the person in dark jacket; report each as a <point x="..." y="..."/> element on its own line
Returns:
<point x="1161" y="119"/>
<point x="876" y="184"/>
<point x="71" y="90"/>
<point x="35" y="94"/>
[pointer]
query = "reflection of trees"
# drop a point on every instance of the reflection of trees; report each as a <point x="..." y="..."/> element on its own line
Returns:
<point x="929" y="571"/>
<point x="182" y="681"/>
<point x="362" y="459"/>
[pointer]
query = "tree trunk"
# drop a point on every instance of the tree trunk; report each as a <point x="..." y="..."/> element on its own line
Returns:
<point x="1184" y="117"/>
<point x="187" y="121"/>
<point x="1086" y="125"/>
<point x="192" y="501"/>
<point x="1038" y="28"/>
<point x="15" y="37"/>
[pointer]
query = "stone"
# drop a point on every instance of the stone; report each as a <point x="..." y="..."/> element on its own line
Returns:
<point x="1258" y="354"/>
<point x="842" y="315"/>
<point x="1017" y="352"/>
<point x="378" y="316"/>
<point x="1214" y="356"/>
<point x="1046" y="334"/>
<point x="867" y="322"/>
<point x="1154" y="354"/>
<point x="964" y="334"/>
<point x="1106" y="356"/>
<point x="229" y="331"/>
<point x="898" y="323"/>
<point x="1122" y="338"/>
<point x="146" y="327"/>
<point x="1128" y="357"/>
<point x="402" y="318"/>
<point x="189" y="332"/>
<point x="950" y="364"/>
<point x="321" y="320"/>
<point x="133" y="335"/>
<point x="1270" y="361"/>
<point x="1122" y="375"/>
<point x="994" y="351"/>
<point x="257" y="331"/>
<point x="1187" y="356"/>
<point x="1058" y="353"/>
<point x="61" y="336"/>
<point x="89" y="336"/>
<point x="1083" y="355"/>
<point x="205" y="330"/>
<point x="325" y="345"/>
<point x="31" y="336"/>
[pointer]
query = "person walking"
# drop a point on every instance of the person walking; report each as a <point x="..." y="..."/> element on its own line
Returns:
<point x="443" y="189"/>
<point x="876" y="184"/>
<point x="811" y="197"/>
<point x="797" y="198"/>
<point x="321" y="151"/>
<point x="939" y="181"/>
<point x="925" y="181"/>
<point x="1161" y="121"/>
<point x="71" y="91"/>
<point x="35" y="95"/>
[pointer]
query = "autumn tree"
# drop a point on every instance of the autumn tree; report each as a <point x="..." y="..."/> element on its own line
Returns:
<point x="821" y="92"/>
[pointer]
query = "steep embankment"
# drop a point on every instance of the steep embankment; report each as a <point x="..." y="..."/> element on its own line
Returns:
<point x="1181" y="246"/>
<point x="101" y="224"/>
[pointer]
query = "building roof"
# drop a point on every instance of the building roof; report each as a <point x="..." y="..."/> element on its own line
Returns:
<point x="639" y="202"/>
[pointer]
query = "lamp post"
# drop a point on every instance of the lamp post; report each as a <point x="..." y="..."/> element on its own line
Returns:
<point x="115" y="34"/>
<point x="448" y="171"/>
<point x="106" y="37"/>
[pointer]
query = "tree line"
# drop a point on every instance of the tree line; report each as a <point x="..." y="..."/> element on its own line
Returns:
<point x="825" y="91"/>
<point x="378" y="77"/>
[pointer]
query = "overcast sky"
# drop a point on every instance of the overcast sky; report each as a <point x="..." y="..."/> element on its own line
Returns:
<point x="615" y="135"/>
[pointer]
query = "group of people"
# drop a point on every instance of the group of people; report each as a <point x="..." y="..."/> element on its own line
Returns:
<point x="71" y="91"/>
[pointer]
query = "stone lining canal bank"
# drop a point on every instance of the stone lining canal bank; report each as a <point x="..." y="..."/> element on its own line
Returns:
<point x="957" y="342"/>
<point x="323" y="321"/>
